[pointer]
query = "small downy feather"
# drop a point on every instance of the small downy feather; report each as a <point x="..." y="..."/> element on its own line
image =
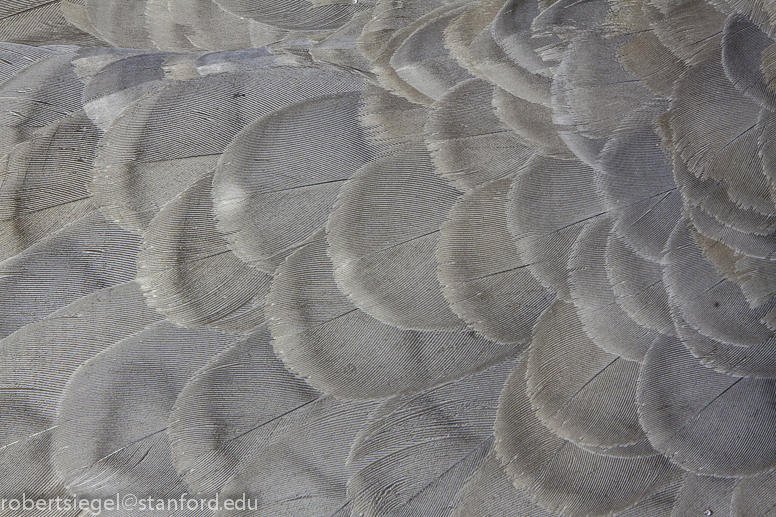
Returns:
<point x="267" y="200"/>
<point x="604" y="321"/>
<point x="188" y="272"/>
<point x="714" y="306"/>
<point x="420" y="449"/>
<point x="545" y="227"/>
<point x="230" y="409"/>
<point x="590" y="402"/>
<point x="382" y="238"/>
<point x="481" y="273"/>
<point x="706" y="422"/>
<point x="111" y="433"/>
<point x="554" y="472"/>
<point x="636" y="181"/>
<point x="45" y="184"/>
<point x="341" y="350"/>
<point x="471" y="146"/>
<point x="86" y="255"/>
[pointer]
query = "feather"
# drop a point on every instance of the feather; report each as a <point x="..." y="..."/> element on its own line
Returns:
<point x="481" y="273"/>
<point x="754" y="360"/>
<point x="752" y="244"/>
<point x="490" y="493"/>
<point x="14" y="57"/>
<point x="755" y="10"/>
<point x="497" y="67"/>
<point x="292" y="474"/>
<point x="111" y="428"/>
<point x="86" y="255"/>
<point x="636" y="183"/>
<point x="711" y="197"/>
<point x="44" y="186"/>
<point x="704" y="495"/>
<point x="267" y="200"/>
<point x="36" y="96"/>
<point x="388" y="76"/>
<point x="544" y="242"/>
<point x="591" y="90"/>
<point x="188" y="273"/>
<point x="645" y="56"/>
<point x="553" y="471"/>
<point x="175" y="136"/>
<point x="766" y="126"/>
<point x="742" y="47"/>
<point x="706" y="422"/>
<point x="424" y="63"/>
<point x="638" y="286"/>
<point x="592" y="402"/>
<point x="382" y="238"/>
<point x="388" y="17"/>
<point x="691" y="30"/>
<point x="470" y="146"/>
<point x="210" y="27"/>
<point x="119" y="83"/>
<point x="339" y="48"/>
<point x="293" y="14"/>
<point x="163" y="31"/>
<point x="340" y="350"/>
<point x="714" y="306"/>
<point x="443" y="435"/>
<point x="391" y="119"/>
<point x="714" y="138"/>
<point x="121" y="24"/>
<point x="512" y="31"/>
<point x="461" y="32"/>
<point x="215" y="427"/>
<point x="603" y="320"/>
<point x="35" y="375"/>
<point x="754" y="495"/>
<point x="532" y="123"/>
<point x="39" y="22"/>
